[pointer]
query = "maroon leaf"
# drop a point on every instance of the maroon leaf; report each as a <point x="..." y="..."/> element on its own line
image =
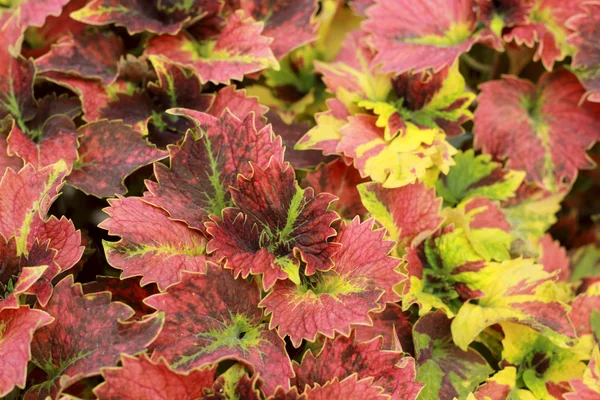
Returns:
<point x="393" y="326"/>
<point x="128" y="291"/>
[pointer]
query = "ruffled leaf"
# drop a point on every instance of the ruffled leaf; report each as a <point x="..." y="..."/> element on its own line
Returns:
<point x="152" y="245"/>
<point x="215" y="317"/>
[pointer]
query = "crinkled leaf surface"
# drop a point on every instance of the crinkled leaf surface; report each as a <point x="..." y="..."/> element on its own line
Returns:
<point x="152" y="245"/>
<point x="477" y="176"/>
<point x="108" y="152"/>
<point x="215" y="317"/>
<point x="432" y="35"/>
<point x="16" y="330"/>
<point x="201" y="170"/>
<point x="238" y="49"/>
<point x="361" y="281"/>
<point x="78" y="343"/>
<point x="144" y="379"/>
<point x="91" y="54"/>
<point x="408" y="213"/>
<point x="586" y="59"/>
<point x="446" y="371"/>
<point x="541" y="130"/>
<point x="274" y="225"/>
<point x="344" y="356"/>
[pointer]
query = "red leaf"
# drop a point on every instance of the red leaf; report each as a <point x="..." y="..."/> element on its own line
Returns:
<point x="152" y="245"/>
<point x="16" y="330"/>
<point x="144" y="379"/>
<point x="341" y="180"/>
<point x="90" y="54"/>
<point x="554" y="257"/>
<point x="432" y="35"/>
<point x="213" y="317"/>
<point x="275" y="223"/>
<point x="202" y="170"/>
<point x="542" y="130"/>
<point x="586" y="59"/>
<point x="239" y="105"/>
<point x="393" y="326"/>
<point x="343" y="357"/>
<point x="237" y="50"/>
<point x="128" y="291"/>
<point x="78" y="343"/>
<point x="348" y="388"/>
<point x="361" y="281"/>
<point x="109" y="152"/>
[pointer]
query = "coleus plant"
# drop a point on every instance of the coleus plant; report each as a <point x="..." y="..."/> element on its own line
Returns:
<point x="314" y="199"/>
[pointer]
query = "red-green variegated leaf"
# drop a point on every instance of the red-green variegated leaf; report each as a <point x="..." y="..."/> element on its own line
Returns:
<point x="391" y="324"/>
<point x="432" y="35"/>
<point x="347" y="388"/>
<point x="14" y="21"/>
<point x="22" y="195"/>
<point x="78" y="343"/>
<point x="128" y="291"/>
<point x="547" y="26"/>
<point x="541" y="130"/>
<point x="289" y="22"/>
<point x="361" y="281"/>
<point x="139" y="16"/>
<point x="144" y="379"/>
<point x="326" y="134"/>
<point x="202" y="169"/>
<point x="152" y="245"/>
<point x="588" y="387"/>
<point x="409" y="213"/>
<point x="91" y="54"/>
<point x="16" y="90"/>
<point x="215" y="317"/>
<point x="342" y="180"/>
<point x="586" y="59"/>
<point x="239" y="104"/>
<point x="274" y="225"/>
<point x="497" y="15"/>
<point x="446" y="371"/>
<point x="58" y="142"/>
<point x="344" y="356"/>
<point x="16" y="330"/>
<point x="501" y="386"/>
<point x="108" y="152"/>
<point x="477" y="176"/>
<point x="237" y="50"/>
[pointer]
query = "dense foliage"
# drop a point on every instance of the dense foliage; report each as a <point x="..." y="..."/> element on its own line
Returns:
<point x="299" y="199"/>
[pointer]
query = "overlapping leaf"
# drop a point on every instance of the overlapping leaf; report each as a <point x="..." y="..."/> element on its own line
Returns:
<point x="145" y="247"/>
<point x="588" y="387"/>
<point x="274" y="226"/>
<point x="201" y="170"/>
<point x="343" y="357"/>
<point x="541" y="130"/>
<point x="361" y="281"/>
<point x="238" y="49"/>
<point x="215" y="317"/>
<point x="66" y="354"/>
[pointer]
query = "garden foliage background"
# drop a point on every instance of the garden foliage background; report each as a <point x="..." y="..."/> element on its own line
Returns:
<point x="299" y="199"/>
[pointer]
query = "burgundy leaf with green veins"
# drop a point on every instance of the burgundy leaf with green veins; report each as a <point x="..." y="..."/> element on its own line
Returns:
<point x="201" y="170"/>
<point x="91" y="54"/>
<point x="214" y="317"/>
<point x="409" y="213"/>
<point x="342" y="180"/>
<point x="586" y="60"/>
<point x="157" y="16"/>
<point x="238" y="49"/>
<point x="79" y="343"/>
<point x="108" y="152"/>
<point x="128" y="291"/>
<point x="152" y="245"/>
<point x="17" y="326"/>
<point x="497" y="15"/>
<point x="144" y="379"/>
<point x="16" y="90"/>
<point x="446" y="371"/>
<point x="432" y="35"/>
<point x="541" y="130"/>
<point x="290" y="23"/>
<point x="347" y="388"/>
<point x="477" y="176"/>
<point x="344" y="356"/>
<point x="275" y="225"/>
<point x="360" y="282"/>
